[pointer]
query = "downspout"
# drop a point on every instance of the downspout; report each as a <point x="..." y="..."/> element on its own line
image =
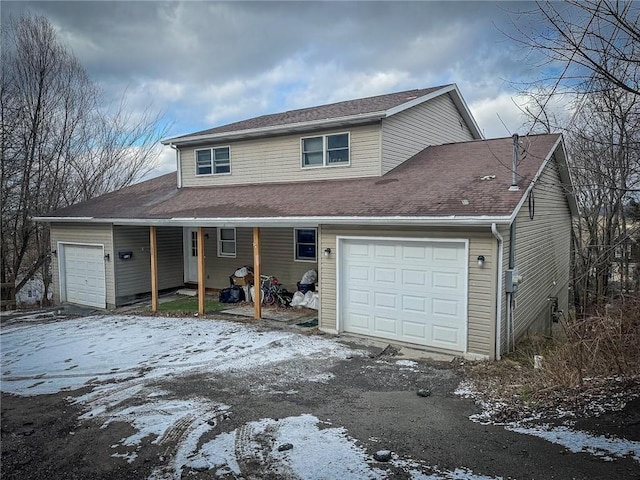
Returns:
<point x="496" y="234"/>
<point x="178" y="163"/>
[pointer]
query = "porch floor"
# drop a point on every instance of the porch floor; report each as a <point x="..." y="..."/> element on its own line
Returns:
<point x="284" y="315"/>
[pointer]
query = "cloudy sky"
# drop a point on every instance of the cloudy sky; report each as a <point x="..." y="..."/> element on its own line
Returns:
<point x="207" y="63"/>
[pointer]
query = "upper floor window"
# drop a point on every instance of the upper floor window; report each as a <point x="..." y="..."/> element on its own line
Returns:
<point x="226" y="242"/>
<point x="212" y="161"/>
<point x="325" y="150"/>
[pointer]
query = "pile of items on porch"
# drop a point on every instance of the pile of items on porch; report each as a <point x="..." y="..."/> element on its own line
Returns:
<point x="242" y="288"/>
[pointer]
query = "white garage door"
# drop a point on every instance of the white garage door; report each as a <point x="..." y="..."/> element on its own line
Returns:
<point x="82" y="275"/>
<point x="405" y="290"/>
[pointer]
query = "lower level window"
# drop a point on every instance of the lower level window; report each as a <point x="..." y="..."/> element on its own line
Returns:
<point x="226" y="242"/>
<point x="305" y="244"/>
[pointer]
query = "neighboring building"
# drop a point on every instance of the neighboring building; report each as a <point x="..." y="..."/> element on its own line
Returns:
<point x="624" y="272"/>
<point x="32" y="293"/>
<point x="396" y="200"/>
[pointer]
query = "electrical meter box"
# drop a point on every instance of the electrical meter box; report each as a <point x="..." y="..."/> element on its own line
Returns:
<point x="511" y="280"/>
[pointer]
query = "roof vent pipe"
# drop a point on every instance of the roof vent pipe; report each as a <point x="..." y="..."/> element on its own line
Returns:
<point x="514" y="167"/>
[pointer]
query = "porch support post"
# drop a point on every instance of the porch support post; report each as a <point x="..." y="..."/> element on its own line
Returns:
<point x="257" y="297"/>
<point x="154" y="269"/>
<point x="201" y="276"/>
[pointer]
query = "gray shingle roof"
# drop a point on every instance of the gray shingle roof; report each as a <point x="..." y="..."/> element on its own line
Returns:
<point x="379" y="103"/>
<point x="442" y="180"/>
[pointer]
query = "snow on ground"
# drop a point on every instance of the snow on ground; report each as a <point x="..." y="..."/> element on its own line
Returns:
<point x="124" y="360"/>
<point x="575" y="441"/>
<point x="293" y="445"/>
<point x="48" y="358"/>
<point x="264" y="440"/>
<point x="409" y="365"/>
<point x="154" y="413"/>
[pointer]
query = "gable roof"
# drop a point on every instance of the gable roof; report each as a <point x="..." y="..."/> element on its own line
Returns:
<point x="457" y="183"/>
<point x="350" y="112"/>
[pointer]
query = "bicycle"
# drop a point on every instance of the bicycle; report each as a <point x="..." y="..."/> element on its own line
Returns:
<point x="272" y="291"/>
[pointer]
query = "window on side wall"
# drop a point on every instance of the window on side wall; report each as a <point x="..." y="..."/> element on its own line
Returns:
<point x="325" y="150"/>
<point x="305" y="244"/>
<point x="227" y="242"/>
<point x="213" y="161"/>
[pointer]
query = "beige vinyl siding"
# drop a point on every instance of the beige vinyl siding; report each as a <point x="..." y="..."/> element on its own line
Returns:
<point x="218" y="269"/>
<point x="133" y="276"/>
<point x="482" y="295"/>
<point x="83" y="234"/>
<point x="543" y="253"/>
<point x="276" y="247"/>
<point x="277" y="159"/>
<point x="278" y="256"/>
<point x="481" y="290"/>
<point x="504" y="231"/>
<point x="435" y="122"/>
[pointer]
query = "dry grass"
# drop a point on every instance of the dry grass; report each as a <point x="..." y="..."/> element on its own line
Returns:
<point x="587" y="362"/>
<point x="602" y="345"/>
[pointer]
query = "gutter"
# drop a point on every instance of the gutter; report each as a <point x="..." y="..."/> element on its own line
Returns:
<point x="443" y="221"/>
<point x="494" y="231"/>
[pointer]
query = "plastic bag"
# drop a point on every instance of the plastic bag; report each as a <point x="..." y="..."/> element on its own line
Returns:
<point x="253" y="293"/>
<point x="310" y="276"/>
<point x="313" y="301"/>
<point x="241" y="272"/>
<point x="231" y="295"/>
<point x="304" y="288"/>
<point x="308" y="297"/>
<point x="298" y="300"/>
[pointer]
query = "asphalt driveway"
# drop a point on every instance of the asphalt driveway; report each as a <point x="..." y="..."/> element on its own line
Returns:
<point x="110" y="396"/>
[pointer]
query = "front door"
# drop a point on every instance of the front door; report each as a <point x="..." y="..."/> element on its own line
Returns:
<point x="190" y="243"/>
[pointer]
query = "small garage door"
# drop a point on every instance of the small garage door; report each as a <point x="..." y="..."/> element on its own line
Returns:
<point x="405" y="290"/>
<point x="83" y="276"/>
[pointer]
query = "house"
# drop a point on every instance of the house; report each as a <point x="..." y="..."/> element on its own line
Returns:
<point x="406" y="212"/>
<point x="625" y="273"/>
<point x="32" y="293"/>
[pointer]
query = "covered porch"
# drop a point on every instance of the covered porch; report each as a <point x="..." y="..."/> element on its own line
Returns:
<point x="210" y="254"/>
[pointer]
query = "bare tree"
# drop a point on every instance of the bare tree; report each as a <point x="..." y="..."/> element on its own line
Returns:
<point x="603" y="139"/>
<point x="58" y="144"/>
<point x="586" y="39"/>
<point x="124" y="148"/>
<point x="603" y="142"/>
<point x="592" y="65"/>
<point x="546" y="110"/>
